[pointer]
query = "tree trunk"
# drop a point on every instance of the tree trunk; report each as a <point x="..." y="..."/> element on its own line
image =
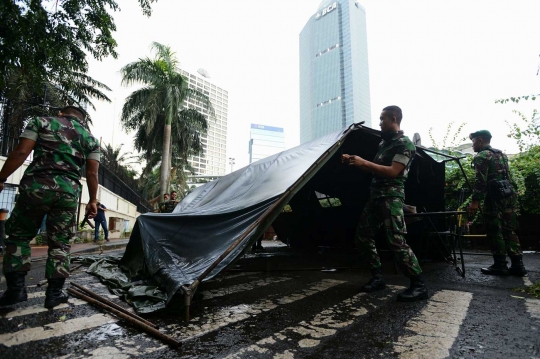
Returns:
<point x="170" y="165"/>
<point x="165" y="160"/>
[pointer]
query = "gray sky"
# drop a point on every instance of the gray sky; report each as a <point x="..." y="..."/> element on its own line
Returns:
<point x="439" y="61"/>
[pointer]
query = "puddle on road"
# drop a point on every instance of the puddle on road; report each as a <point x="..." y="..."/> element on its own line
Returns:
<point x="105" y="332"/>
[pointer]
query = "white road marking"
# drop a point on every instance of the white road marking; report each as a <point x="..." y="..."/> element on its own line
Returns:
<point x="34" y="309"/>
<point x="42" y="294"/>
<point x="36" y="295"/>
<point x="54" y="329"/>
<point x="227" y="316"/>
<point x="527" y="281"/>
<point x="230" y="276"/>
<point x="533" y="307"/>
<point x="208" y="294"/>
<point x="102" y="353"/>
<point x="436" y="327"/>
<point x="309" y="334"/>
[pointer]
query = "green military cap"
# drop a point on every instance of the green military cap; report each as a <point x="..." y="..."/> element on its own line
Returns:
<point x="481" y="133"/>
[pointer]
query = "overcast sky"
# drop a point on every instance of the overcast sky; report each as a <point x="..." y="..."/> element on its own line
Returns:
<point x="439" y="61"/>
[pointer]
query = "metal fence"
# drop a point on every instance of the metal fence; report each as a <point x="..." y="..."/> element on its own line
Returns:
<point x="114" y="184"/>
<point x="8" y="197"/>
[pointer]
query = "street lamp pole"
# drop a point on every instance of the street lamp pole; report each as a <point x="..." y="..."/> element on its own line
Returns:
<point x="231" y="162"/>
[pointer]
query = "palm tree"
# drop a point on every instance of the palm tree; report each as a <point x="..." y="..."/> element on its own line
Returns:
<point x="27" y="98"/>
<point x="115" y="160"/>
<point x="158" y="106"/>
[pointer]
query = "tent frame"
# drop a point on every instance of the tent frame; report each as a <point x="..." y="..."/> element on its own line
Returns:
<point x="189" y="291"/>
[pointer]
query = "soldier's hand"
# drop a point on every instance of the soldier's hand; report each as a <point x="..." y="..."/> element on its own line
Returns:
<point x="356" y="161"/>
<point x="345" y="158"/>
<point x="91" y="209"/>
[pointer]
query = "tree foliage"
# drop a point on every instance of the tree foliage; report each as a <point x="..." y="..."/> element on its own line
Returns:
<point x="24" y="99"/>
<point x="517" y="99"/>
<point x="526" y="164"/>
<point x="50" y="39"/>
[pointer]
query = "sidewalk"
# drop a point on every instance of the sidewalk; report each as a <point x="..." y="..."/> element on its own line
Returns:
<point x="40" y="253"/>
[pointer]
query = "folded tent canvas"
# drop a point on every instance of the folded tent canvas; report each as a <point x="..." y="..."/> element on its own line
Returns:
<point x="217" y="222"/>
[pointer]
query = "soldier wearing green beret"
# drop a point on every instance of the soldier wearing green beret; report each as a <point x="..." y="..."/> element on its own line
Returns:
<point x="492" y="185"/>
<point x="385" y="207"/>
<point x="50" y="186"/>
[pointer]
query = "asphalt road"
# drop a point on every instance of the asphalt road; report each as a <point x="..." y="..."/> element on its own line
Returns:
<point x="295" y="314"/>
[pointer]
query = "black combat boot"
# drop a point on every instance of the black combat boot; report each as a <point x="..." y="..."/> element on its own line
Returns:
<point x="417" y="291"/>
<point x="517" y="268"/>
<point x="54" y="295"/>
<point x="375" y="283"/>
<point x="499" y="266"/>
<point x="16" y="289"/>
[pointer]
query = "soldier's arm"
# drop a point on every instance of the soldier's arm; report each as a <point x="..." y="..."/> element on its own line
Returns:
<point x="480" y="180"/>
<point x="402" y="156"/>
<point x="379" y="170"/>
<point x="92" y="167"/>
<point x="16" y="158"/>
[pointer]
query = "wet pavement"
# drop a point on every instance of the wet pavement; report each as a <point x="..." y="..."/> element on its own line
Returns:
<point x="285" y="312"/>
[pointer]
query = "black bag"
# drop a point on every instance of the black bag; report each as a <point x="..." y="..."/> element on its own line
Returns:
<point x="501" y="189"/>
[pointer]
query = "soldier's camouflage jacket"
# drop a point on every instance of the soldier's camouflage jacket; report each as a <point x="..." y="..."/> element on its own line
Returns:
<point x="398" y="149"/>
<point x="63" y="145"/>
<point x="168" y="206"/>
<point x="488" y="166"/>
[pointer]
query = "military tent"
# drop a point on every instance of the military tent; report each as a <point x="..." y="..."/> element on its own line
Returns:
<point x="217" y="222"/>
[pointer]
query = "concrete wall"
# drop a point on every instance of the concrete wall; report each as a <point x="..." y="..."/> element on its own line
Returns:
<point x="116" y="205"/>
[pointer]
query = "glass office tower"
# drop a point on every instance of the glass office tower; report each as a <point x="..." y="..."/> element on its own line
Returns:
<point x="334" y="73"/>
<point x="265" y="141"/>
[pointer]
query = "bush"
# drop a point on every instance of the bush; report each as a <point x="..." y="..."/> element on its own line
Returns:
<point x="40" y="240"/>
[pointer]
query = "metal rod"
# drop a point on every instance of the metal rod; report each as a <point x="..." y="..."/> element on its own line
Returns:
<point x="453" y="159"/>
<point x="437" y="153"/>
<point x="148" y="329"/>
<point x="464" y="175"/>
<point x="194" y="285"/>
<point x="116" y="306"/>
<point x="75" y="268"/>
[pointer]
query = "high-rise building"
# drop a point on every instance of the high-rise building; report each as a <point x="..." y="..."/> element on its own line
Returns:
<point x="334" y="73"/>
<point x="213" y="159"/>
<point x="265" y="141"/>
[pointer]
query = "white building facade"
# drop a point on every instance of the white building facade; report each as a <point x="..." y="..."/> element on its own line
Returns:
<point x="213" y="159"/>
<point x="265" y="141"/>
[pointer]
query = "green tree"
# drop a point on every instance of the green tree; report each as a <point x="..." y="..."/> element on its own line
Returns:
<point x="158" y="106"/>
<point x="525" y="166"/>
<point x="50" y="40"/>
<point x="115" y="160"/>
<point x="24" y="99"/>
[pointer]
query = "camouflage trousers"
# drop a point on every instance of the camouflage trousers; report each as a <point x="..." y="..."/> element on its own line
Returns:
<point x="23" y="225"/>
<point x="387" y="212"/>
<point x="501" y="220"/>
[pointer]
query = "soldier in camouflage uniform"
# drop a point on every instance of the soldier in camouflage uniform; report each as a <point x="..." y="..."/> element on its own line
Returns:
<point x="169" y="206"/>
<point x="500" y="214"/>
<point x="162" y="204"/>
<point x="50" y="186"/>
<point x="385" y="207"/>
